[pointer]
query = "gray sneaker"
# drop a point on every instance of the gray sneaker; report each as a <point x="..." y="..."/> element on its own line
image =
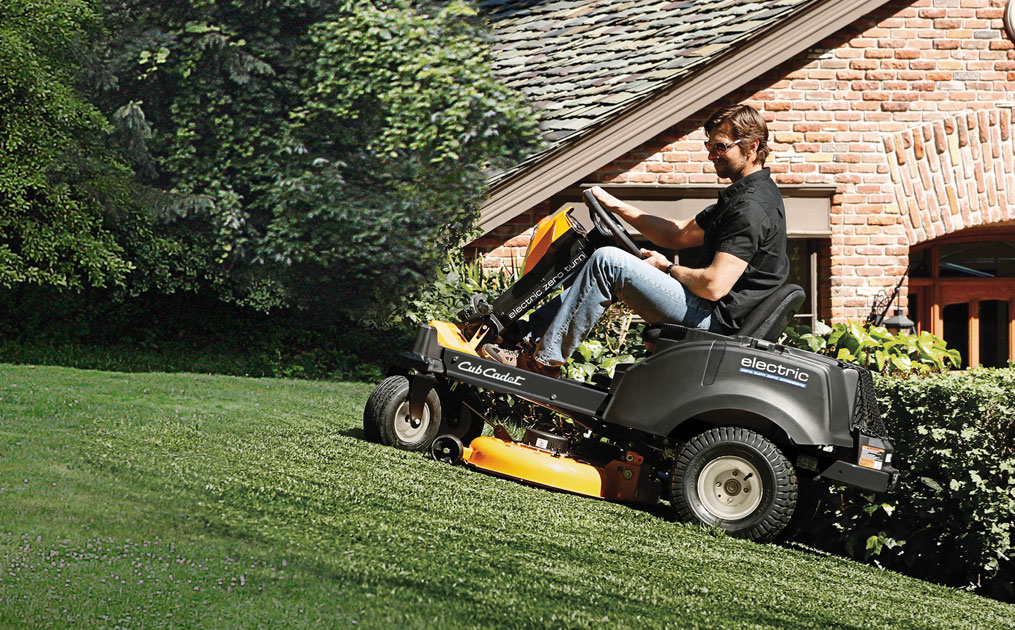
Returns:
<point x="500" y="355"/>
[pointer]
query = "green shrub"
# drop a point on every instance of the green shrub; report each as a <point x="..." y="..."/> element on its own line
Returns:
<point x="875" y="348"/>
<point x="616" y="339"/>
<point x="187" y="333"/>
<point x="951" y="517"/>
<point x="308" y="153"/>
<point x="457" y="281"/>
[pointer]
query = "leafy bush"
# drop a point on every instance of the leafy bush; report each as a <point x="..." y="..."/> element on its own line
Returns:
<point x="615" y="339"/>
<point x="952" y="517"/>
<point x="456" y="282"/>
<point x="186" y="333"/>
<point x="875" y="348"/>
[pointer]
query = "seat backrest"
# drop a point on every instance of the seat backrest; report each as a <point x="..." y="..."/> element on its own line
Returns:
<point x="769" y="319"/>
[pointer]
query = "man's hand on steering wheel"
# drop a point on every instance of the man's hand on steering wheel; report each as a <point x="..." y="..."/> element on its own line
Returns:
<point x="607" y="223"/>
<point x="656" y="259"/>
<point x="609" y="202"/>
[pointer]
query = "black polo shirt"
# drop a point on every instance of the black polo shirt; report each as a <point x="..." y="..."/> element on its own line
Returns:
<point x="749" y="222"/>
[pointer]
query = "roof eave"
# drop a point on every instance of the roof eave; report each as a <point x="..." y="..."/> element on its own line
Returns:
<point x="661" y="110"/>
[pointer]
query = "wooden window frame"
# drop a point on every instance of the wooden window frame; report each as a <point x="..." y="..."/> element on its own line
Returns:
<point x="935" y="293"/>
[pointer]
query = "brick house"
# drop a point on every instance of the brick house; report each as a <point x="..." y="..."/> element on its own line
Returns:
<point x="890" y="120"/>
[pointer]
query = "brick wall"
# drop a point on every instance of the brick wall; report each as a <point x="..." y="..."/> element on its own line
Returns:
<point x="900" y="112"/>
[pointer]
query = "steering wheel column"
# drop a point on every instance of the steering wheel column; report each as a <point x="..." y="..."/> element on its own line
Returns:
<point x="609" y="226"/>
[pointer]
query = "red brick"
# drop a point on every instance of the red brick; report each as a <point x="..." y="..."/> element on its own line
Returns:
<point x="863" y="64"/>
<point x="892" y="43"/>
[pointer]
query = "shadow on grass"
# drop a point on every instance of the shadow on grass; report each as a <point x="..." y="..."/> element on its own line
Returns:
<point x="354" y="433"/>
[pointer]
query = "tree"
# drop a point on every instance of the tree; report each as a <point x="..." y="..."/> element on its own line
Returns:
<point x="311" y="153"/>
<point x="61" y="193"/>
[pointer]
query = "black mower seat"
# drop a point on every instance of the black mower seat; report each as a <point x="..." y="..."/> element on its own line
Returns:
<point x="766" y="321"/>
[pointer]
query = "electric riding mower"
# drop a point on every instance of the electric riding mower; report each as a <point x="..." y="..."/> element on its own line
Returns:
<point x="733" y="430"/>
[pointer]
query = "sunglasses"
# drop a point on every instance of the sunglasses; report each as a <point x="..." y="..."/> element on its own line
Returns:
<point x="720" y="147"/>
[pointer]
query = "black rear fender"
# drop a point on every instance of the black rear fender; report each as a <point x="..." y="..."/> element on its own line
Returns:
<point x="810" y="398"/>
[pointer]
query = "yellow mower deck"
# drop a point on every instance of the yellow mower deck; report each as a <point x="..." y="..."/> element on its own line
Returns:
<point x="616" y="481"/>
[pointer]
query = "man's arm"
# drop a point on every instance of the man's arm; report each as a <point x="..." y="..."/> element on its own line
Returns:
<point x="667" y="233"/>
<point x="712" y="282"/>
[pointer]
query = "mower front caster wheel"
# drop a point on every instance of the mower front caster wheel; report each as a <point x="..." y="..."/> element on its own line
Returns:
<point x="448" y="449"/>
<point x="734" y="478"/>
<point x="386" y="418"/>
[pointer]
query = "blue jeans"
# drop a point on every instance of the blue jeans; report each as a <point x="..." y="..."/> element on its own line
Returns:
<point x="562" y="324"/>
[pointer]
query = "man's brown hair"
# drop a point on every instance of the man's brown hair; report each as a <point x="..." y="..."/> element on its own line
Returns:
<point x="746" y="123"/>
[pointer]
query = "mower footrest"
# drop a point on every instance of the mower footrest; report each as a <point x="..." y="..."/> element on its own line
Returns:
<point x="862" y="477"/>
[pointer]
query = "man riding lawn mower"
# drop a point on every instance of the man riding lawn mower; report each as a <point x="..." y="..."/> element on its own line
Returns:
<point x="728" y="426"/>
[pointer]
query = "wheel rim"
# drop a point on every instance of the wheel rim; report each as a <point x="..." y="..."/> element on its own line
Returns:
<point x="730" y="488"/>
<point x="407" y="430"/>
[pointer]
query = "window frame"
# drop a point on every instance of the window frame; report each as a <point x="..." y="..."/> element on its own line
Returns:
<point x="934" y="293"/>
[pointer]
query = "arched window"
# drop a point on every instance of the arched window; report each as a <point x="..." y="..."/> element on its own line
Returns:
<point x="962" y="288"/>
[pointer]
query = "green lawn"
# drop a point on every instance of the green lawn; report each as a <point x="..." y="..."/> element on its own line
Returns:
<point x="185" y="501"/>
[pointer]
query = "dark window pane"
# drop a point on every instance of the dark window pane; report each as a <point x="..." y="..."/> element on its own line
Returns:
<point x="799" y="252"/>
<point x="956" y="325"/>
<point x="994" y="333"/>
<point x="919" y="263"/>
<point x="983" y="259"/>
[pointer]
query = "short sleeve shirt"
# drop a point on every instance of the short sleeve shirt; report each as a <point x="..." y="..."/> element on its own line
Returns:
<point x="749" y="222"/>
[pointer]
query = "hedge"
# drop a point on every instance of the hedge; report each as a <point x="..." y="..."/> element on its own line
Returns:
<point x="952" y="515"/>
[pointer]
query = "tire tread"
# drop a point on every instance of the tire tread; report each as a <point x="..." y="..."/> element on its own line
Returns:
<point x="784" y="496"/>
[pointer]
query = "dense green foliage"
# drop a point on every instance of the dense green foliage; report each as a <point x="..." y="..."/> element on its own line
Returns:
<point x="952" y="517"/>
<point x="63" y="195"/>
<point x="614" y="340"/>
<point x="455" y="283"/>
<point x="322" y="155"/>
<point x="310" y="159"/>
<point x="875" y="348"/>
<point x="183" y="501"/>
<point x="180" y="332"/>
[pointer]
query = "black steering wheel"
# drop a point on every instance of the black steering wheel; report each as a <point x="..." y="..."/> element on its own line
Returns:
<point x="610" y="226"/>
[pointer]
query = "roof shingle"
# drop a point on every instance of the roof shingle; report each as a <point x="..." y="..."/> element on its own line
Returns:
<point x="583" y="62"/>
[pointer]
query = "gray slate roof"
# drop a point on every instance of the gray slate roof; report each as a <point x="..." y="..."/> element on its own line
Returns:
<point x="582" y="62"/>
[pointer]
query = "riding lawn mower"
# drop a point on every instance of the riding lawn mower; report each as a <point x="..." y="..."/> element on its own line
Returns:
<point x="730" y="430"/>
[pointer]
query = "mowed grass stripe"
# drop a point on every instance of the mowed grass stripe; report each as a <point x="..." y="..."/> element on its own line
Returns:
<point x="194" y="501"/>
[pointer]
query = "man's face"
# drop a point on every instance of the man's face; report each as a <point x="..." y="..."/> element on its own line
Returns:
<point x="733" y="163"/>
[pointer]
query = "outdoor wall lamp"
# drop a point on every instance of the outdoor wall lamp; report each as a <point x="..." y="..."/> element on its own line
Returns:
<point x="898" y="322"/>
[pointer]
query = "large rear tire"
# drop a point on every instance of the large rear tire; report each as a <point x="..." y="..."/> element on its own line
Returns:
<point x="386" y="416"/>
<point x="736" y="479"/>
